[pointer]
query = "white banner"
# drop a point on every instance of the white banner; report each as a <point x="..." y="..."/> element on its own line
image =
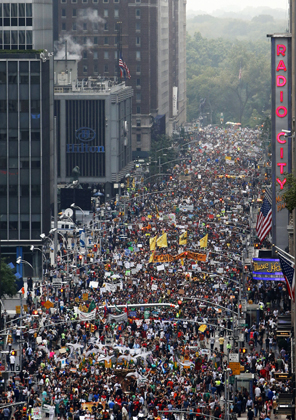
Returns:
<point x="117" y="318"/>
<point x="86" y="316"/>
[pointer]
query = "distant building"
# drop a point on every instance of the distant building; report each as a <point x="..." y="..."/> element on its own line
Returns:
<point x="150" y="36"/>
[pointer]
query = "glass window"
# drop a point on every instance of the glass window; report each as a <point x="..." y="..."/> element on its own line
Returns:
<point x="106" y="40"/>
<point x="29" y="10"/>
<point x="96" y="40"/>
<point x="138" y="123"/>
<point x="115" y="55"/>
<point x="85" y="55"/>
<point x="84" y="26"/>
<point x="95" y="26"/>
<point x="21" y="38"/>
<point x="74" y="12"/>
<point x="84" y="69"/>
<point x="106" y="68"/>
<point x="106" y="55"/>
<point x="138" y="96"/>
<point x="21" y="9"/>
<point x="138" y="55"/>
<point x="14" y="10"/>
<point x="139" y="137"/>
<point x="63" y="12"/>
<point x="106" y="27"/>
<point x="63" y="26"/>
<point x="74" y="26"/>
<point x="14" y="38"/>
<point x="138" y="109"/>
<point x="138" y="41"/>
<point x="138" y="82"/>
<point x="7" y="39"/>
<point x="106" y="13"/>
<point x="138" y="13"/>
<point x="13" y="148"/>
<point x="96" y="69"/>
<point x="95" y="55"/>
<point x="2" y="72"/>
<point x="116" y="13"/>
<point x="29" y="38"/>
<point x="138" y="26"/>
<point x="6" y="11"/>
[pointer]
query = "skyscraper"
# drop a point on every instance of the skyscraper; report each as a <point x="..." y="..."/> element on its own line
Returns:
<point x="149" y="37"/>
<point x="26" y="110"/>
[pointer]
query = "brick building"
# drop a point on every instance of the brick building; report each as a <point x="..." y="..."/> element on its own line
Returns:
<point x="150" y="36"/>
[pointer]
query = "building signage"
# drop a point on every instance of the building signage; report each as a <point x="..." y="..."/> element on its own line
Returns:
<point x="267" y="269"/>
<point x="281" y="124"/>
<point x="85" y="135"/>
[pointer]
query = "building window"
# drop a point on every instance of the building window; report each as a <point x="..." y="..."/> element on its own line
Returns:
<point x="95" y="55"/>
<point x="116" y="1"/>
<point x="138" y="26"/>
<point x="138" y="123"/>
<point x="95" y="1"/>
<point x="74" y="1"/>
<point x="63" y="26"/>
<point x="84" y="1"/>
<point x="115" y="40"/>
<point x="85" y="69"/>
<point x="74" y="12"/>
<point x="106" y="40"/>
<point x="115" y="55"/>
<point x="96" y="69"/>
<point x="106" y="14"/>
<point x="138" y="1"/>
<point x="106" y="28"/>
<point x="138" y="13"/>
<point x="105" y="1"/>
<point x="84" y="40"/>
<point x="116" y="13"/>
<point x="138" y="68"/>
<point x="63" y="13"/>
<point x="106" y="68"/>
<point x="138" y="55"/>
<point x="106" y="55"/>
<point x="85" y="26"/>
<point x="138" y="109"/>
<point x="138" y="41"/>
<point x="138" y="96"/>
<point x="85" y="55"/>
<point x="96" y="40"/>
<point x="63" y="1"/>
<point x="138" y="82"/>
<point x="95" y="26"/>
<point x="74" y="27"/>
<point x="139" y="138"/>
<point x="139" y="149"/>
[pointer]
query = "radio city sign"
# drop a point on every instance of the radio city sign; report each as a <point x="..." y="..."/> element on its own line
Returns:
<point x="85" y="135"/>
<point x="281" y="124"/>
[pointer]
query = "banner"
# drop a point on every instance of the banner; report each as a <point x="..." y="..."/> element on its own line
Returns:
<point x="86" y="316"/>
<point x="117" y="318"/>
<point x="187" y="255"/>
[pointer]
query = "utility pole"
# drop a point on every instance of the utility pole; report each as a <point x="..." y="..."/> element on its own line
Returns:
<point x="21" y="335"/>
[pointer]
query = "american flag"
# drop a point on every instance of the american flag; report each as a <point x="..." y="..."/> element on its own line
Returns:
<point x="124" y="69"/>
<point x="264" y="218"/>
<point x="288" y="269"/>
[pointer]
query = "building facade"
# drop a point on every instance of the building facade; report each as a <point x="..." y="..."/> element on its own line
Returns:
<point x="93" y="130"/>
<point x="150" y="38"/>
<point x="26" y="131"/>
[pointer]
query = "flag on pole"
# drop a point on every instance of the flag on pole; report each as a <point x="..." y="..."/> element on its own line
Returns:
<point x="288" y="269"/>
<point x="124" y="70"/>
<point x="203" y="243"/>
<point x="162" y="241"/>
<point x="264" y="218"/>
<point x="152" y="243"/>
<point x="183" y="239"/>
<point x="151" y="257"/>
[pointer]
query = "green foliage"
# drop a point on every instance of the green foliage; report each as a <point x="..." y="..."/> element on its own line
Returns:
<point x="7" y="280"/>
<point x="235" y="29"/>
<point x="289" y="194"/>
<point x="213" y="68"/>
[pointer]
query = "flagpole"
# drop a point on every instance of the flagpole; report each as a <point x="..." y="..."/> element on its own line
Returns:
<point x="284" y="252"/>
<point x="119" y="46"/>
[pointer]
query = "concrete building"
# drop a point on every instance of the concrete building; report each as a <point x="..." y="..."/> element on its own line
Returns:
<point x="26" y="129"/>
<point x="149" y="36"/>
<point x="93" y="127"/>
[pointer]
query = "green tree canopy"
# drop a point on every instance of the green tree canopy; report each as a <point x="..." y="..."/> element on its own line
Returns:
<point x="7" y="280"/>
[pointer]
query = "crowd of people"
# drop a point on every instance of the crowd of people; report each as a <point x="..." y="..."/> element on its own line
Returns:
<point x="144" y="326"/>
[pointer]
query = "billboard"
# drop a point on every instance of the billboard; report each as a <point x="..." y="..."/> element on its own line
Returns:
<point x="267" y="269"/>
<point x="281" y="123"/>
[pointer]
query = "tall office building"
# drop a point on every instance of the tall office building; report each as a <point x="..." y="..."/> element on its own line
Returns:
<point x="150" y="37"/>
<point x="26" y="112"/>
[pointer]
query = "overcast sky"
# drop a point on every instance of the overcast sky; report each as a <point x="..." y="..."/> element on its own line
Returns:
<point x="211" y="5"/>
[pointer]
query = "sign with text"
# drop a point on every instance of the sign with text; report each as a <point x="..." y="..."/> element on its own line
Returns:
<point x="267" y="269"/>
<point x="281" y="125"/>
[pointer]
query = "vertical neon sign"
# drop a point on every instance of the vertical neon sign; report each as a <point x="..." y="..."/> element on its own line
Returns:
<point x="281" y="144"/>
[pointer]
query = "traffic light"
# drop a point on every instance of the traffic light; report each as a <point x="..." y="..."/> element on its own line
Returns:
<point x="80" y="257"/>
<point x="245" y="267"/>
<point x="62" y="290"/>
<point x="243" y="350"/>
<point x="87" y="326"/>
<point x="35" y="312"/>
<point x="95" y="247"/>
<point x="13" y="352"/>
<point x="92" y="328"/>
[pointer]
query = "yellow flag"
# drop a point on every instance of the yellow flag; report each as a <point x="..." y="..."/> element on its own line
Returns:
<point x="151" y="257"/>
<point x="134" y="183"/>
<point x="183" y="239"/>
<point x="157" y="213"/>
<point x="162" y="241"/>
<point x="152" y="243"/>
<point x="203" y="243"/>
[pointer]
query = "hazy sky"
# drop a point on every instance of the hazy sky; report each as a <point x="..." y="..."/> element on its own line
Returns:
<point x="211" y="5"/>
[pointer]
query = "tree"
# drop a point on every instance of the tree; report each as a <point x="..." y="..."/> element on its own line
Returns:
<point x="7" y="280"/>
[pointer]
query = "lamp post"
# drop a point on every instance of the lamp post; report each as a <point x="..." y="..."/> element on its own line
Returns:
<point x="32" y="248"/>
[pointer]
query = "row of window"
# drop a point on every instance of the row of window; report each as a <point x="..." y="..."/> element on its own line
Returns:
<point x="94" y="1"/>
<point x="14" y="10"/>
<point x="83" y="13"/>
<point x="107" y="56"/>
<point x="94" y="27"/>
<point x="16" y="40"/>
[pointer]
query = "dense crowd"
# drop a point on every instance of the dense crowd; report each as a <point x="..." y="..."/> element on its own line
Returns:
<point x="101" y="352"/>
